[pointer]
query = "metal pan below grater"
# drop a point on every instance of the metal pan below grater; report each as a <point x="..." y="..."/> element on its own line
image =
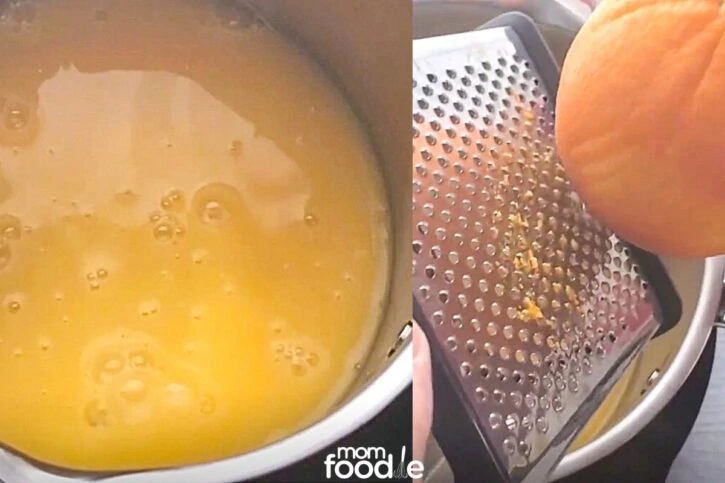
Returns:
<point x="533" y="309"/>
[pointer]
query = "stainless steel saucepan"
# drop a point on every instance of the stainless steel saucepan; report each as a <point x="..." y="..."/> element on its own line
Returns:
<point x="365" y="47"/>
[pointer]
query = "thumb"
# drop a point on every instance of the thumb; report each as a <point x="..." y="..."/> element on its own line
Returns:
<point x="422" y="393"/>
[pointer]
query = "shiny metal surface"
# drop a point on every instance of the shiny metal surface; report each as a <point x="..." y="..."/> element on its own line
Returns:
<point x="538" y="306"/>
<point x="373" y="71"/>
<point x="698" y="282"/>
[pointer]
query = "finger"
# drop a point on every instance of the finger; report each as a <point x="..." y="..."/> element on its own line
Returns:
<point x="422" y="393"/>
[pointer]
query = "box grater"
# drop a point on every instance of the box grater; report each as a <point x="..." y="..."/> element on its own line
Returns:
<point x="532" y="307"/>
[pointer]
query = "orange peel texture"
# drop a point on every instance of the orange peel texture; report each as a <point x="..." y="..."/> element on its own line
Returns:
<point x="640" y="122"/>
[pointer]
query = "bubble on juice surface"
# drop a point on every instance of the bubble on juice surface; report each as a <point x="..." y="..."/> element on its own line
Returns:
<point x="312" y="359"/>
<point x="214" y="212"/>
<point x="216" y="203"/>
<point x="14" y="302"/>
<point x="126" y="197"/>
<point x="178" y="397"/>
<point x="198" y="256"/>
<point x="299" y="356"/>
<point x="197" y="312"/>
<point x="95" y="414"/>
<point x="16" y="117"/>
<point x="5" y="254"/>
<point x="164" y="232"/>
<point x="310" y="219"/>
<point x="107" y="367"/>
<point x="44" y="343"/>
<point x="236" y="149"/>
<point x="14" y="306"/>
<point x="149" y="307"/>
<point x="94" y="278"/>
<point x="140" y="358"/>
<point x="167" y="227"/>
<point x="133" y="390"/>
<point x="173" y="200"/>
<point x="10" y="227"/>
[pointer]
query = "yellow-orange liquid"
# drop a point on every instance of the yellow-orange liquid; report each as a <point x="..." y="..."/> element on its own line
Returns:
<point x="194" y="237"/>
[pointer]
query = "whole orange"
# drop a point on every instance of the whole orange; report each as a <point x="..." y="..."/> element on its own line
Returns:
<point x="640" y="122"/>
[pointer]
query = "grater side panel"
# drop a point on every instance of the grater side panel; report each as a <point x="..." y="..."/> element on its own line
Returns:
<point x="534" y="305"/>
